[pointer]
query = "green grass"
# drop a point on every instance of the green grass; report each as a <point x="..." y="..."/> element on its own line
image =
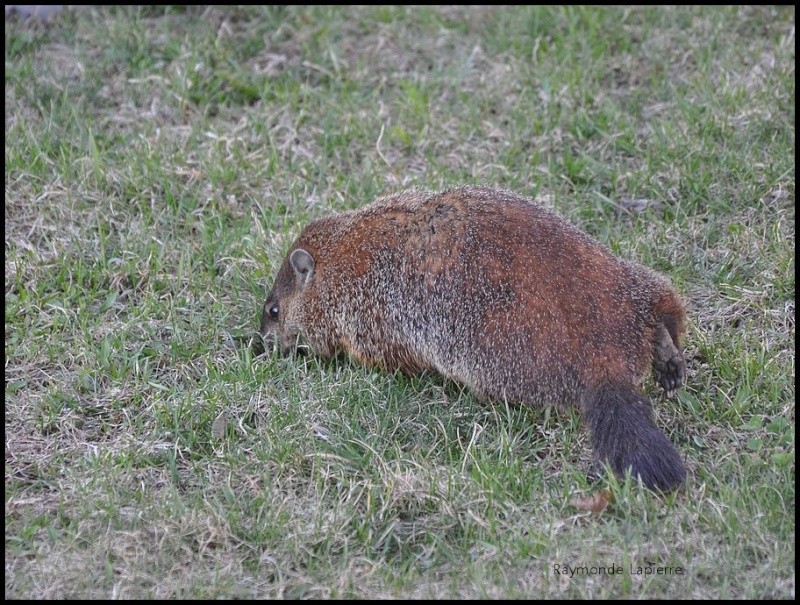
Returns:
<point x="159" y="162"/>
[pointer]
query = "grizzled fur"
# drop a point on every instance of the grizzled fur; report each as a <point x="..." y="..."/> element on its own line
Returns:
<point x="498" y="294"/>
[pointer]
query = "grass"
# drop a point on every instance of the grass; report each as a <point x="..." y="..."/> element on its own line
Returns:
<point x="159" y="162"/>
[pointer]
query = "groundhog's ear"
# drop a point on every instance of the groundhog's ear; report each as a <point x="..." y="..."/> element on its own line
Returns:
<point x="303" y="264"/>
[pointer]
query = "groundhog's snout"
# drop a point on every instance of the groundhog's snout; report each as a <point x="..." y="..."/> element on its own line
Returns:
<point x="271" y="343"/>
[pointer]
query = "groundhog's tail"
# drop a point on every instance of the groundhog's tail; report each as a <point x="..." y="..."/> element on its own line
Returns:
<point x="626" y="437"/>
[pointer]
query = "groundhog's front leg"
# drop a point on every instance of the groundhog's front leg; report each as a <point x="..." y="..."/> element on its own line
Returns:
<point x="625" y="436"/>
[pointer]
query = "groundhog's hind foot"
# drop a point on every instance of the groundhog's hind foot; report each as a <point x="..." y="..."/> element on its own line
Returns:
<point x="669" y="367"/>
<point x="625" y="437"/>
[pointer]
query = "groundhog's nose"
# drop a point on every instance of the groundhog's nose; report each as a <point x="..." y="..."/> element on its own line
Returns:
<point x="263" y="343"/>
<point x="294" y="349"/>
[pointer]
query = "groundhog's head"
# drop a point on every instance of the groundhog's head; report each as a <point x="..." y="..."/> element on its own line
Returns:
<point x="282" y="316"/>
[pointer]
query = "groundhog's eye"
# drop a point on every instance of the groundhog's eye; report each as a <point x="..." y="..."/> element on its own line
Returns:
<point x="273" y="312"/>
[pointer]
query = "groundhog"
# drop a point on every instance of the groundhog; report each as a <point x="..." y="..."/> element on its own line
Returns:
<point x="498" y="294"/>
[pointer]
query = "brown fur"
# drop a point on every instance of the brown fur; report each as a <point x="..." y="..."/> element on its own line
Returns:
<point x="496" y="293"/>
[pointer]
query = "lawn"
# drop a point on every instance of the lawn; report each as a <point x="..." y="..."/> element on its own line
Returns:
<point x="158" y="163"/>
